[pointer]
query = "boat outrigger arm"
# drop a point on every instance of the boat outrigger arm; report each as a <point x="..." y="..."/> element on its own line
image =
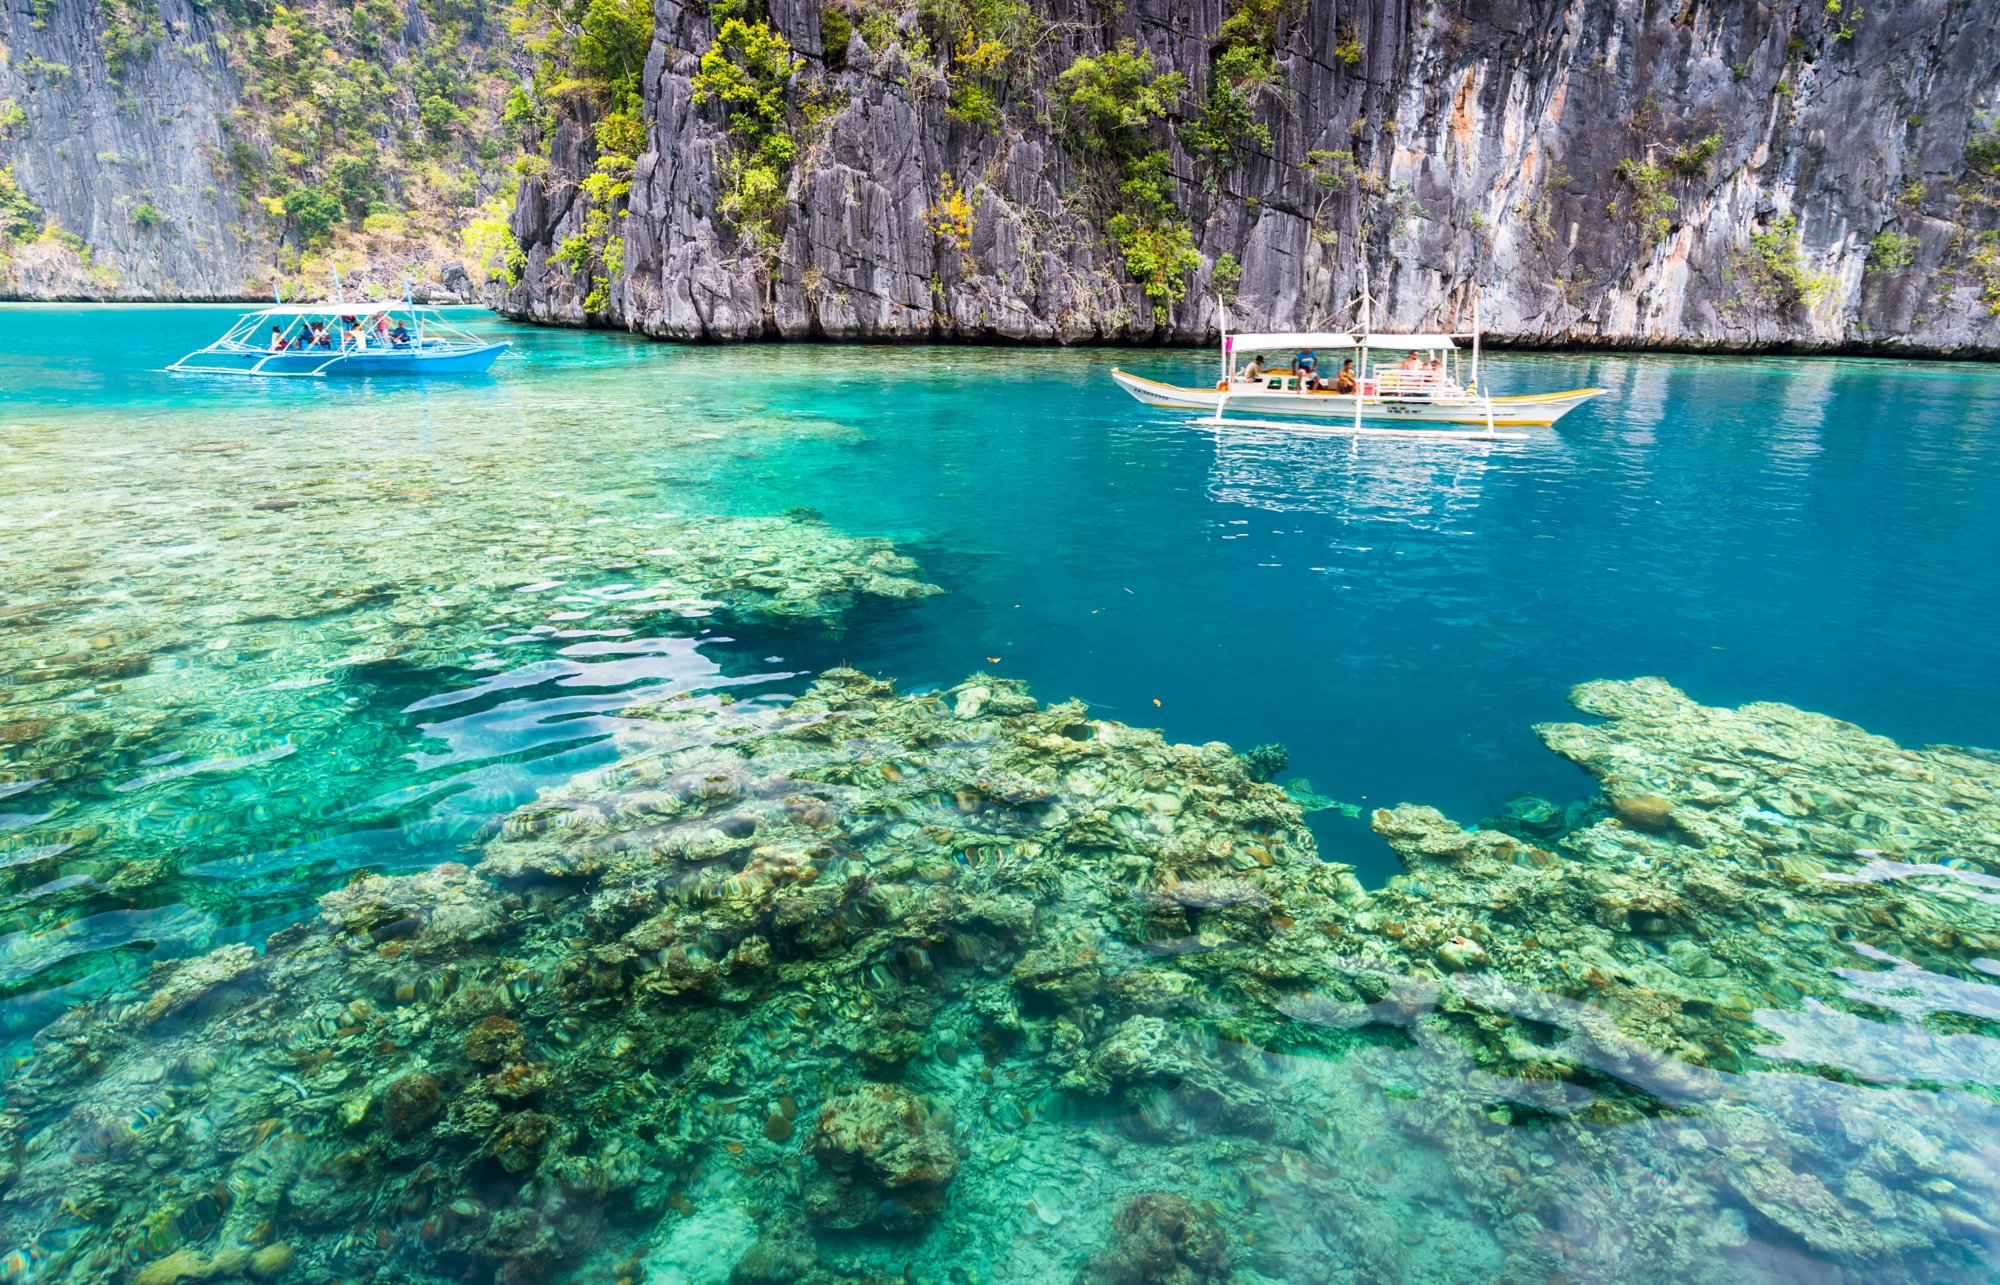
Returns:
<point x="1437" y="396"/>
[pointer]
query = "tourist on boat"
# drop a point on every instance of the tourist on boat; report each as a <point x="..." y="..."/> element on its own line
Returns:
<point x="1255" y="370"/>
<point x="399" y="335"/>
<point x="277" y="339"/>
<point x="1344" y="381"/>
<point x="1305" y="363"/>
<point x="356" y="336"/>
<point x="1412" y="362"/>
<point x="322" y="338"/>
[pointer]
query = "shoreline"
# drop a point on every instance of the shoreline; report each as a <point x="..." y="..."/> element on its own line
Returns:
<point x="1884" y="349"/>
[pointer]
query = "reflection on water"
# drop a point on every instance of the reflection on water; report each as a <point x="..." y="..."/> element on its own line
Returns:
<point x="651" y="943"/>
<point x="1402" y="486"/>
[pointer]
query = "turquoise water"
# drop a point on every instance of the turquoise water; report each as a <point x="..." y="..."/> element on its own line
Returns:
<point x="262" y="638"/>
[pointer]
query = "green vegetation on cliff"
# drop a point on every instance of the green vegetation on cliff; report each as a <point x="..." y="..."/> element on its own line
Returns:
<point x="587" y="58"/>
<point x="1771" y="264"/>
<point x="20" y="218"/>
<point x="748" y="72"/>
<point x="1115" y="103"/>
<point x="1245" y="71"/>
<point x="369" y="131"/>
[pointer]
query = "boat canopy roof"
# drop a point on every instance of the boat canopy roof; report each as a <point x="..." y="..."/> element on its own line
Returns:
<point x="1425" y="343"/>
<point x="334" y="309"/>
<point x="1272" y="341"/>
<point x="1255" y="342"/>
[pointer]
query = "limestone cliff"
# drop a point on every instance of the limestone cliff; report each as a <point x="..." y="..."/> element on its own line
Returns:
<point x="211" y="149"/>
<point x="119" y="166"/>
<point x="1727" y="173"/>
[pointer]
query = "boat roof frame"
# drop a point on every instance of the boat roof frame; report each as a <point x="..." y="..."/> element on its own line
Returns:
<point x="339" y="309"/>
<point x="1271" y="341"/>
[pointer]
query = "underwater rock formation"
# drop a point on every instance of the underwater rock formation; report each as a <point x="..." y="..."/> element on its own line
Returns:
<point x="885" y="1157"/>
<point x="154" y="656"/>
<point x="1158" y="1238"/>
<point x="1019" y="968"/>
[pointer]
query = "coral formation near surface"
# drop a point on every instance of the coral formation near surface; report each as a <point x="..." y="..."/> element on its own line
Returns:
<point x="197" y="614"/>
<point x="903" y="984"/>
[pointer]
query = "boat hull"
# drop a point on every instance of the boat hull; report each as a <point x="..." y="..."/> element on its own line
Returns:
<point x="1534" y="410"/>
<point x="317" y="362"/>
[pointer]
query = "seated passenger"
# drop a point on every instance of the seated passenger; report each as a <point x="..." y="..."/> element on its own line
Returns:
<point x="1255" y="370"/>
<point x="277" y="339"/>
<point x="400" y="335"/>
<point x="1344" y="381"/>
<point x="1411" y="362"/>
<point x="1305" y="363"/>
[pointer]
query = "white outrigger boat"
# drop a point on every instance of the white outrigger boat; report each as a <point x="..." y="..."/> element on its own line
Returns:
<point x="1424" y="399"/>
<point x="312" y="340"/>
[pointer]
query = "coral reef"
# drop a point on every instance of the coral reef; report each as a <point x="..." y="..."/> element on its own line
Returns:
<point x="231" y="622"/>
<point x="877" y="983"/>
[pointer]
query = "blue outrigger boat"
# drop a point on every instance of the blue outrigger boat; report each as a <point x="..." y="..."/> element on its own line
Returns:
<point x="312" y="340"/>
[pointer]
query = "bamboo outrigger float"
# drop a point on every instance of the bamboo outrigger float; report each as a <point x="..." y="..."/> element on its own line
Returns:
<point x="1447" y="401"/>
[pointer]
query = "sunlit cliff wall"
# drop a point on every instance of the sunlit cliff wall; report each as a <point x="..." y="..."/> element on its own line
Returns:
<point x="1549" y="160"/>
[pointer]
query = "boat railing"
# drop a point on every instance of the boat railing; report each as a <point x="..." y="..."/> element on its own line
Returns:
<point x="371" y="344"/>
<point x="1413" y="385"/>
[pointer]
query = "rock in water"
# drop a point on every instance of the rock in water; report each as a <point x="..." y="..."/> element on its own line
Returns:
<point x="272" y="1261"/>
<point x="1159" y="1238"/>
<point x="1648" y="812"/>
<point x="411" y="1103"/>
<point x="1267" y="760"/>
<point x="885" y="1157"/>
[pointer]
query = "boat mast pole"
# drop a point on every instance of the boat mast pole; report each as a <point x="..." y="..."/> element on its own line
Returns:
<point x="1361" y="371"/>
<point x="1222" y="325"/>
<point x="1475" y="341"/>
<point x="1475" y="365"/>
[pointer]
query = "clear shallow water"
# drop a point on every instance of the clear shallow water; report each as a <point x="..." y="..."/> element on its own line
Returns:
<point x="266" y="637"/>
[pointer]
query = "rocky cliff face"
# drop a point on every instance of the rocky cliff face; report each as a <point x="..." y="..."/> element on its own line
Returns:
<point x="1708" y="173"/>
<point x="123" y="164"/>
<point x="183" y="149"/>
